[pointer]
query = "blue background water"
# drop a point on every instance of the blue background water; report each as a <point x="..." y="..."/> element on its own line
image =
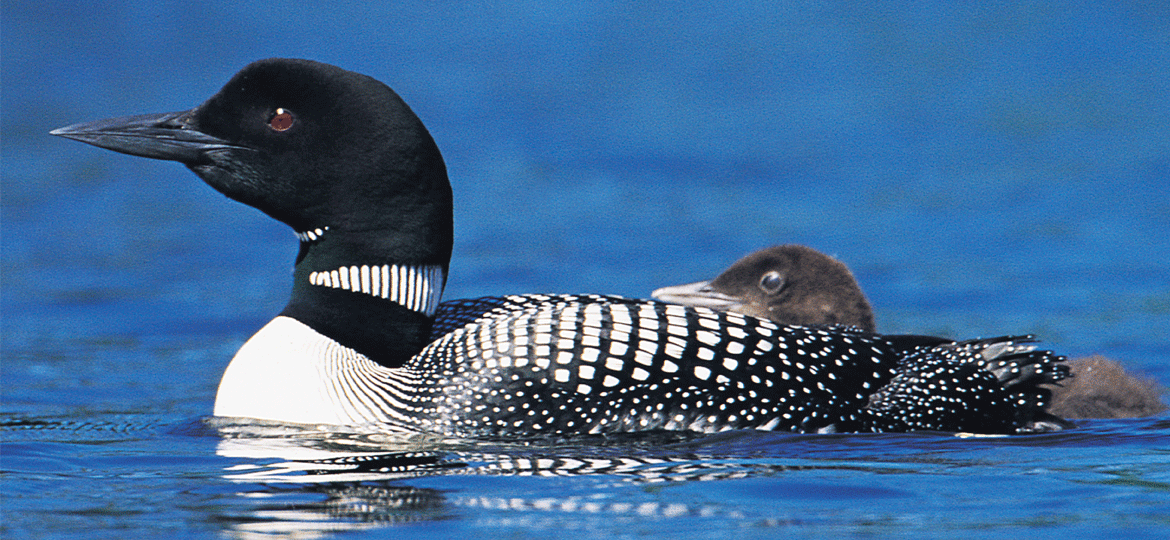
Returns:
<point x="984" y="170"/>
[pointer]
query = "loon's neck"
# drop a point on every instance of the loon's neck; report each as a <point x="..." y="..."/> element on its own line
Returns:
<point x="378" y="300"/>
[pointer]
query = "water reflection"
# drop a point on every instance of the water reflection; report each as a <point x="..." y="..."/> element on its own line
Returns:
<point x="308" y="482"/>
<point x="266" y="481"/>
<point x="305" y="454"/>
<point x="305" y="481"/>
<point x="293" y="512"/>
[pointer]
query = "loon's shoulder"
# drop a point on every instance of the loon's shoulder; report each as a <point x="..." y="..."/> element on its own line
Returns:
<point x="454" y="314"/>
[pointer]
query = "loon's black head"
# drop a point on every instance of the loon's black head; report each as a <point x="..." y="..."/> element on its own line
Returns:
<point x="788" y="284"/>
<point x="310" y="144"/>
<point x="343" y="160"/>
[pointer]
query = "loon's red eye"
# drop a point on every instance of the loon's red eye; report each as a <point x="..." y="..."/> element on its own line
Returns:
<point x="282" y="120"/>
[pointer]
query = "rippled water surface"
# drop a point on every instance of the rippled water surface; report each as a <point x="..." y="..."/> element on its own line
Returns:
<point x="150" y="476"/>
<point x="984" y="171"/>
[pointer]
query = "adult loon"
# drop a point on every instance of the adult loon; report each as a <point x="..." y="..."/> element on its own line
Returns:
<point x="795" y="284"/>
<point x="341" y="159"/>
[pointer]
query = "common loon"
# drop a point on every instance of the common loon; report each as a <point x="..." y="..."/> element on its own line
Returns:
<point x="796" y="284"/>
<point x="341" y="159"/>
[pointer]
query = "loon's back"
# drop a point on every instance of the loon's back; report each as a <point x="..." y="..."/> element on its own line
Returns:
<point x="601" y="364"/>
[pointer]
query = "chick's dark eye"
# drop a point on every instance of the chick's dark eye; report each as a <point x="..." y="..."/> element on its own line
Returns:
<point x="282" y="120"/>
<point x="771" y="282"/>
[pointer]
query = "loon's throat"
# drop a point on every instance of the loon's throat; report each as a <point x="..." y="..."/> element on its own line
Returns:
<point x="362" y="297"/>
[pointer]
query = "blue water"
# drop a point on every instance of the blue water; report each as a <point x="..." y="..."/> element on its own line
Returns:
<point x="984" y="170"/>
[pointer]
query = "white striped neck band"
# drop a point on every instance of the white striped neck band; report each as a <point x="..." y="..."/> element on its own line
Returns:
<point x="415" y="287"/>
<point x="313" y="235"/>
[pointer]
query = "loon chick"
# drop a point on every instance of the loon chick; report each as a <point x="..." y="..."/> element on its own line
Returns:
<point x="1102" y="388"/>
<point x="794" y="284"/>
<point x="789" y="284"/>
<point x="341" y="159"/>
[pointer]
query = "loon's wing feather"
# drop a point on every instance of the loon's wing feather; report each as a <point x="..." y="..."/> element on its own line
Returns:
<point x="979" y="386"/>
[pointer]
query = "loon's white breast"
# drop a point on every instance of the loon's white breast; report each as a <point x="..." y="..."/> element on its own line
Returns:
<point x="289" y="372"/>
